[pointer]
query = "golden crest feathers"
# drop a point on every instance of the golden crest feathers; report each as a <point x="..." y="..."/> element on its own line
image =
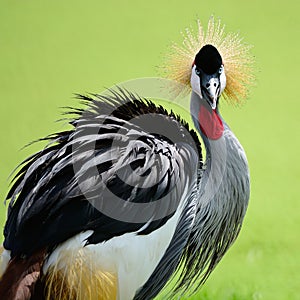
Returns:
<point x="237" y="60"/>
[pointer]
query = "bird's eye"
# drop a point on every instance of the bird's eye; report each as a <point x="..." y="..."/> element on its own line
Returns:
<point x="197" y="72"/>
<point x="221" y="70"/>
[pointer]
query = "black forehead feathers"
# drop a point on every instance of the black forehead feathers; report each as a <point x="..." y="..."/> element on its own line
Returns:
<point x="208" y="59"/>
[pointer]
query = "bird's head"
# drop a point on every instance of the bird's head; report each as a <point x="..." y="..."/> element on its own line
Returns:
<point x="204" y="70"/>
<point x="208" y="78"/>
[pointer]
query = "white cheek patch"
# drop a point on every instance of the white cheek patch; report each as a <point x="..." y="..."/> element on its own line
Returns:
<point x="195" y="82"/>
<point x="222" y="81"/>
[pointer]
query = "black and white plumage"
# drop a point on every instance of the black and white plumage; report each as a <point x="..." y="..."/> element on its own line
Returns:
<point x="113" y="207"/>
<point x="56" y="209"/>
<point x="51" y="173"/>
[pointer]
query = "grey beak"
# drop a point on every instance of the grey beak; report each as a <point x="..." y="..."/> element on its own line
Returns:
<point x="210" y="87"/>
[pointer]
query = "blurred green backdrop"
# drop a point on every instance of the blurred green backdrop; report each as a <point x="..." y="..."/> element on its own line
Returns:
<point x="52" y="49"/>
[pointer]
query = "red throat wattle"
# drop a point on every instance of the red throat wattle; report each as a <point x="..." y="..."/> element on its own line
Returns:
<point x="210" y="123"/>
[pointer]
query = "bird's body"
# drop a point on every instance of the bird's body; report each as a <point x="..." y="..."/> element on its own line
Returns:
<point x="114" y="206"/>
<point x="218" y="219"/>
<point x="75" y="232"/>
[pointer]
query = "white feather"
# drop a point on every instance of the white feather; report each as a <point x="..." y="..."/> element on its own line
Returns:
<point x="131" y="256"/>
<point x="4" y="260"/>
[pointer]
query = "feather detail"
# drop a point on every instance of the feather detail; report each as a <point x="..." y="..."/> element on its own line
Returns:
<point x="237" y="60"/>
<point x="79" y="279"/>
<point x="20" y="277"/>
<point x="5" y="257"/>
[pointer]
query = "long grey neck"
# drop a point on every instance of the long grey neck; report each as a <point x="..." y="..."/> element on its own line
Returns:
<point x="195" y="104"/>
<point x="226" y="163"/>
<point x="211" y="146"/>
<point x="222" y="199"/>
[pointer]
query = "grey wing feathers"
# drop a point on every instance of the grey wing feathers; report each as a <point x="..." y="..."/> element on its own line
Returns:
<point x="119" y="146"/>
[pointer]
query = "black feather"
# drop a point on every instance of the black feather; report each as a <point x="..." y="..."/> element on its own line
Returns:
<point x="208" y="59"/>
<point x="46" y="204"/>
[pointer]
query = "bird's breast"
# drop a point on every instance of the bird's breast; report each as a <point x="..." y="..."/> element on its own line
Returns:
<point x="122" y="264"/>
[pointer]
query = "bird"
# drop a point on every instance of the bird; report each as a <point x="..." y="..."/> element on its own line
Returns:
<point x="123" y="201"/>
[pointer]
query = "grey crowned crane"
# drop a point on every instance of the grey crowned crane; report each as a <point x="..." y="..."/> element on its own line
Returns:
<point x="111" y="209"/>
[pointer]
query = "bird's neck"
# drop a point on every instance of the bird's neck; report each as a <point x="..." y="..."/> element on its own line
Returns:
<point x="208" y="122"/>
<point x="226" y="166"/>
<point x="223" y="191"/>
<point x="225" y="157"/>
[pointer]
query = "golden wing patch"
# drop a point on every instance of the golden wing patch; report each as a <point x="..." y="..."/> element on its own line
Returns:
<point x="79" y="279"/>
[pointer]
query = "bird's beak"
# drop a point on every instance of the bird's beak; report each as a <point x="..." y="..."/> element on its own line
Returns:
<point x="210" y="89"/>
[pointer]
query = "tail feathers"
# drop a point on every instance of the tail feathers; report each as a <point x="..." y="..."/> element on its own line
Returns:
<point x="19" y="279"/>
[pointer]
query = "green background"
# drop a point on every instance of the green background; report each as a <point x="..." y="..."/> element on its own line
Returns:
<point x="52" y="49"/>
